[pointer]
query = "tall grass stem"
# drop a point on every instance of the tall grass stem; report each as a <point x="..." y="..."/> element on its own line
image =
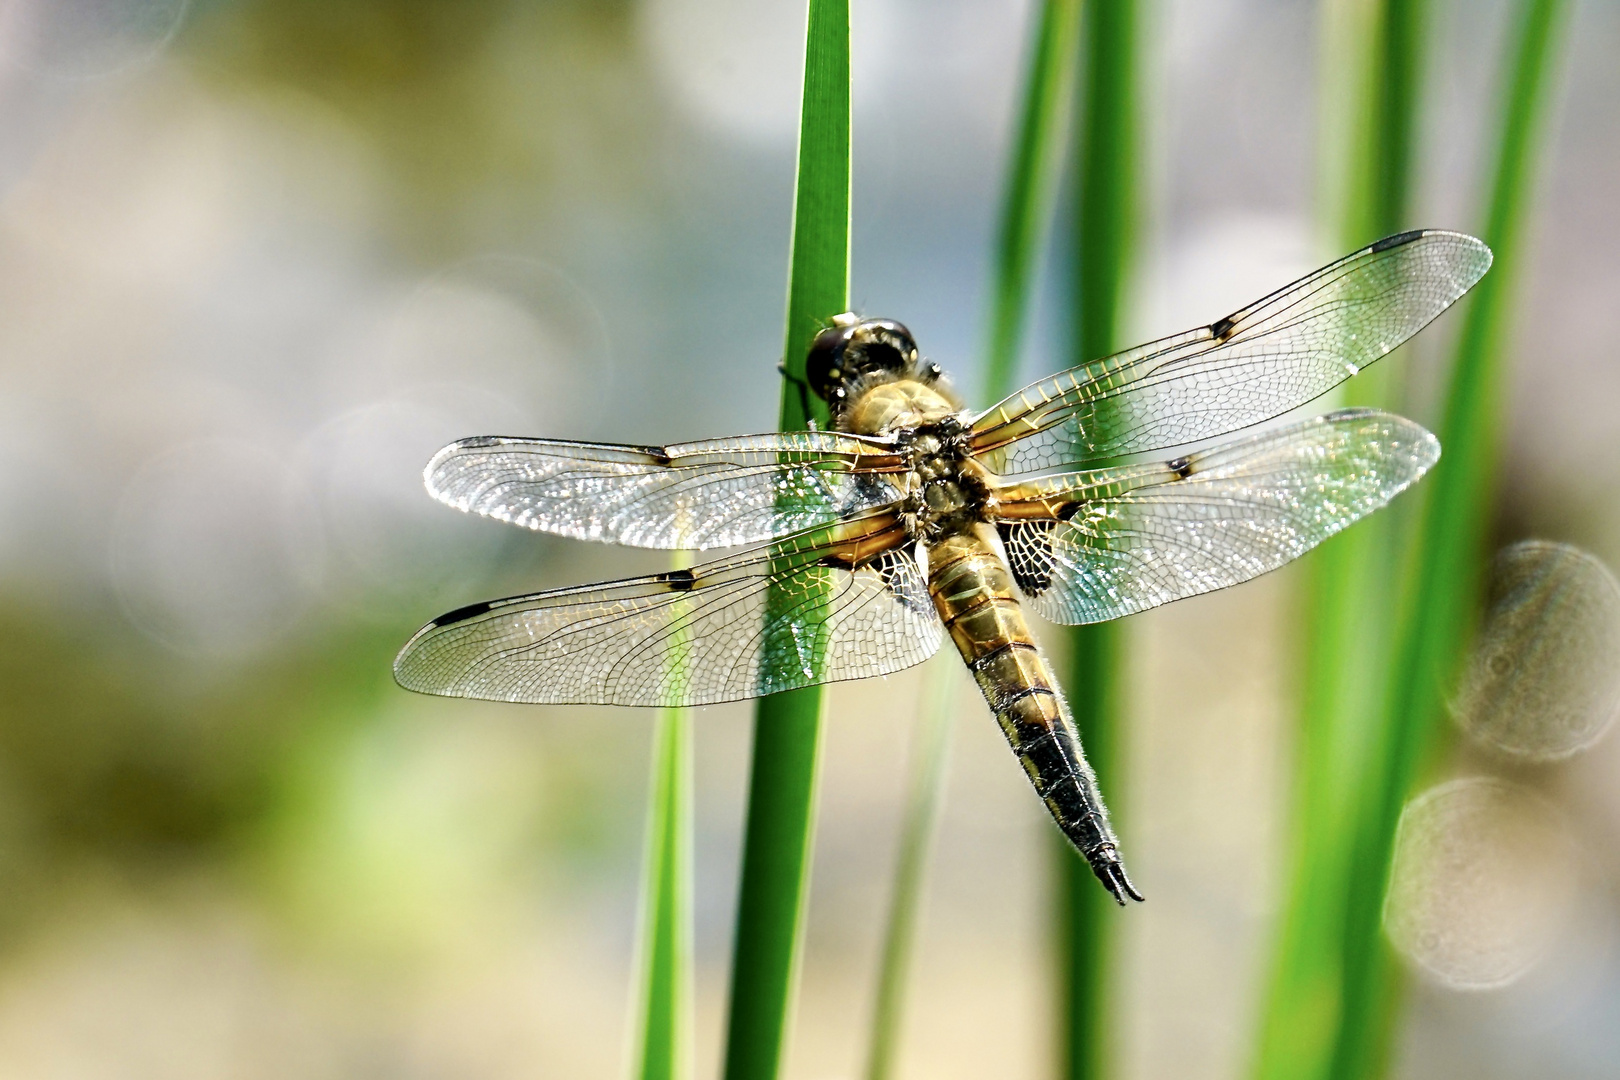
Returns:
<point x="776" y="841"/>
<point x="1026" y="208"/>
<point x="665" y="1048"/>
<point x="1107" y="150"/>
<point x="1377" y="48"/>
<point x="1444" y="585"/>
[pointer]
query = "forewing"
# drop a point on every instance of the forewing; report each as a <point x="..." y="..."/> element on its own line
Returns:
<point x="1256" y="364"/>
<point x="1092" y="546"/>
<point x="718" y="493"/>
<point x="824" y="606"/>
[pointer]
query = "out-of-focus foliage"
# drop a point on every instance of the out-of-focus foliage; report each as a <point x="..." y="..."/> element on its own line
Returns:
<point x="114" y="762"/>
<point x="455" y="94"/>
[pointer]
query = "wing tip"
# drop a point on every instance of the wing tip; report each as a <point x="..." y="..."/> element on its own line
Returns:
<point x="435" y="474"/>
<point x="406" y="670"/>
<point x="405" y="675"/>
<point x="1364" y="414"/>
<point x="1425" y="445"/>
<point x="1430" y="442"/>
<point x="431" y="472"/>
<point x="1471" y="270"/>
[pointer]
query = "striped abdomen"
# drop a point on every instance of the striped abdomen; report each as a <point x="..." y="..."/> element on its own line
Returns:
<point x="972" y="591"/>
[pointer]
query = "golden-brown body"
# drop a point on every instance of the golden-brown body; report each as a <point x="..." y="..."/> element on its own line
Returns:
<point x="950" y="498"/>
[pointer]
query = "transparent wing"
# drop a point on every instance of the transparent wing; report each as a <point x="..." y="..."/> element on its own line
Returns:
<point x="832" y="604"/>
<point x="717" y="493"/>
<point x="1255" y="364"/>
<point x="1096" y="545"/>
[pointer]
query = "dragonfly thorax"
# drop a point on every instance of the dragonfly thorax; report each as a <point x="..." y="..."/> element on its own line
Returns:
<point x="948" y="491"/>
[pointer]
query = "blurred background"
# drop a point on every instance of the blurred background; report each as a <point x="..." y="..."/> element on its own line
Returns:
<point x="259" y="259"/>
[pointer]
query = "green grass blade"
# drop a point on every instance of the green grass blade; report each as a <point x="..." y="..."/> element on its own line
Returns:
<point x="1383" y="131"/>
<point x="1105" y="182"/>
<point x="1403" y="37"/>
<point x="1088" y="931"/>
<point x="1349" y="595"/>
<point x="1105" y="218"/>
<point x="1032" y="178"/>
<point x="1447" y="566"/>
<point x="776" y="848"/>
<point x="776" y="842"/>
<point x="665" y="1037"/>
<point x="666" y="938"/>
<point x="1025" y="216"/>
<point x="818" y="276"/>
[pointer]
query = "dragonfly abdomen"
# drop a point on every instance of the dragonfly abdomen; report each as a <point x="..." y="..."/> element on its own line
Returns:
<point x="972" y="590"/>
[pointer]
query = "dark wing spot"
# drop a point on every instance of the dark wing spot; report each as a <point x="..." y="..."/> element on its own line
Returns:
<point x="1222" y="328"/>
<point x="678" y="580"/>
<point x="1029" y="556"/>
<point x="867" y="490"/>
<point x="885" y="569"/>
<point x="1395" y="241"/>
<point x="1181" y="466"/>
<point x="462" y="614"/>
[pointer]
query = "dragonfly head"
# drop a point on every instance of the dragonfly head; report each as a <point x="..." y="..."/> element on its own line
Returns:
<point x="853" y="350"/>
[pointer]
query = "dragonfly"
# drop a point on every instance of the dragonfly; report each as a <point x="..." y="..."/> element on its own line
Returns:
<point x="911" y="519"/>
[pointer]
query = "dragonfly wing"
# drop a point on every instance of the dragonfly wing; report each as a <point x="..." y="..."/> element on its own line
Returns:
<point x="718" y="493"/>
<point x="1255" y="364"/>
<point x="832" y="604"/>
<point x="1097" y="545"/>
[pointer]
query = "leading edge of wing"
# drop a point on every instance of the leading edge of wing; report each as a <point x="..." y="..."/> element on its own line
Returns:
<point x="714" y="493"/>
<point x="1280" y="352"/>
<point x="826" y="605"/>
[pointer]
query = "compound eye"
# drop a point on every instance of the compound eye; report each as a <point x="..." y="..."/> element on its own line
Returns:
<point x="880" y="356"/>
<point x="823" y="368"/>
<point x="880" y="345"/>
<point x="897" y="335"/>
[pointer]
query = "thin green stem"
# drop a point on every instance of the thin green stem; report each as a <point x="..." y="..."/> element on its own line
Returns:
<point x="770" y="900"/>
<point x="776" y="842"/>
<point x="1349" y="595"/>
<point x="1445" y="583"/>
<point x="1105" y="222"/>
<point x="665" y="1035"/>
<point x="1032" y="177"/>
<point x="1403" y="34"/>
<point x="1088" y="930"/>
<point x="1105" y="181"/>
